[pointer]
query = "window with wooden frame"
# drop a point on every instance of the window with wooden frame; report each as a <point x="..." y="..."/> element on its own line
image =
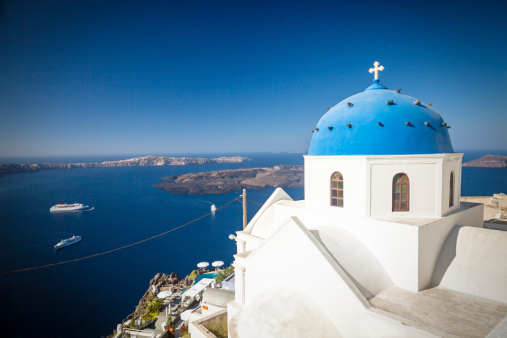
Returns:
<point x="451" y="190"/>
<point x="401" y="192"/>
<point x="337" y="190"/>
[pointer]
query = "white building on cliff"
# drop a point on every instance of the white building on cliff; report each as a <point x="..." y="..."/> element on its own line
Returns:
<point x="381" y="246"/>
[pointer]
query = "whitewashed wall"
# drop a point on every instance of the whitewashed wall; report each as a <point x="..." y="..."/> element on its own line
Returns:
<point x="451" y="163"/>
<point x="478" y="270"/>
<point x="393" y="244"/>
<point x="318" y="172"/>
<point x="334" y="293"/>
<point x="432" y="237"/>
<point x="368" y="183"/>
<point x="408" y="252"/>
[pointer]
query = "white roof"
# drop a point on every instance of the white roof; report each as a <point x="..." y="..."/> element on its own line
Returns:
<point x="217" y="297"/>
<point x="185" y="315"/>
<point x="197" y="288"/>
<point x="164" y="294"/>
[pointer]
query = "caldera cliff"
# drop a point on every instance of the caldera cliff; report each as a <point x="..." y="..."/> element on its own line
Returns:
<point x="226" y="181"/>
<point x="6" y="169"/>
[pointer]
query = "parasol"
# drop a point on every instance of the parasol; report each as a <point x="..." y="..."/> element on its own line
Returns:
<point x="217" y="264"/>
<point x="203" y="265"/>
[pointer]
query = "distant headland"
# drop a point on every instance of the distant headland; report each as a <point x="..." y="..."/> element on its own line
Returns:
<point x="226" y="181"/>
<point x="281" y="176"/>
<point x="488" y="161"/>
<point x="6" y="169"/>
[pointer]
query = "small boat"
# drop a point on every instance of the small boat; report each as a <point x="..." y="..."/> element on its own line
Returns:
<point x="213" y="208"/>
<point x="67" y="242"/>
<point x="68" y="207"/>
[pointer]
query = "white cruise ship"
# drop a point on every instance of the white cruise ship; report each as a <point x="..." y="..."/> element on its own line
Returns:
<point x="68" y="207"/>
<point x="67" y="242"/>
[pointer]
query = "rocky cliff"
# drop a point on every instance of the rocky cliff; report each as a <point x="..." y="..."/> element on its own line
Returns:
<point x="225" y="181"/>
<point x="162" y="160"/>
<point x="488" y="161"/>
<point x="6" y="169"/>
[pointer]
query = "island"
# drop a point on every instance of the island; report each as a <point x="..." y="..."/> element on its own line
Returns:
<point x="6" y="169"/>
<point x="226" y="181"/>
<point x="488" y="161"/>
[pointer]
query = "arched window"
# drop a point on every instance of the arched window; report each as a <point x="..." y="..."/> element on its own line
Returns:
<point x="401" y="192"/>
<point x="337" y="190"/>
<point x="451" y="190"/>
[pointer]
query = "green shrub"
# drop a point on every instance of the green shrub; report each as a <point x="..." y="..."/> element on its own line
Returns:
<point x="192" y="275"/>
<point x="155" y="305"/>
<point x="224" y="274"/>
<point x="150" y="315"/>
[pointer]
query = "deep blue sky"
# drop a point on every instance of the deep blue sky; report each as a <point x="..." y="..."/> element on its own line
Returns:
<point x="159" y="77"/>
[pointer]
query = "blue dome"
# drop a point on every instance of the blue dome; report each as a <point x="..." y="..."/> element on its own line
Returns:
<point x="365" y="124"/>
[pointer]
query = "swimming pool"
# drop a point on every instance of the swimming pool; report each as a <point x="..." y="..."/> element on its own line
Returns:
<point x="206" y="275"/>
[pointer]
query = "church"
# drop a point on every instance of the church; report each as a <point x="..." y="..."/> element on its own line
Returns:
<point x="381" y="246"/>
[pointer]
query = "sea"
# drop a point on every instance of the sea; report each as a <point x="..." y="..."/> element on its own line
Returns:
<point x="89" y="297"/>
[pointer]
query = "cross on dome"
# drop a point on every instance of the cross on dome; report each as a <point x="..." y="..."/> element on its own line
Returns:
<point x="376" y="69"/>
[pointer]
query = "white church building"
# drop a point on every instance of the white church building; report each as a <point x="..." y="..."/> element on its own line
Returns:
<point x="381" y="246"/>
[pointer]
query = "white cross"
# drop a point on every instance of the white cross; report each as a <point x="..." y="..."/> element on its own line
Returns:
<point x="376" y="69"/>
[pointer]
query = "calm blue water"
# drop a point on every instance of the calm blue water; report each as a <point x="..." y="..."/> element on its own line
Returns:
<point x="88" y="298"/>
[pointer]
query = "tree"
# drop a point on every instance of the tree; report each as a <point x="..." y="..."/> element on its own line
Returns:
<point x="224" y="274"/>
<point x="155" y="305"/>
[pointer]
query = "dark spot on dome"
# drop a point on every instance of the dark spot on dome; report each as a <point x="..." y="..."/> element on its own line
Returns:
<point x="430" y="104"/>
<point x="317" y="129"/>
<point x="448" y="127"/>
<point x="427" y="123"/>
<point x="444" y="124"/>
<point x="417" y="137"/>
<point x="328" y="108"/>
<point x="390" y="102"/>
<point x="313" y="131"/>
<point x="398" y="90"/>
<point x="430" y="126"/>
<point x="330" y="127"/>
<point x="408" y="123"/>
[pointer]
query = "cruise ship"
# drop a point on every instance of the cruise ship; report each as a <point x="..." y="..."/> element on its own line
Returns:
<point x="68" y="207"/>
<point x="67" y="242"/>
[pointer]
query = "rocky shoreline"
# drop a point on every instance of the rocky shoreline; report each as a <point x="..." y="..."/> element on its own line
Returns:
<point x="161" y="282"/>
<point x="7" y="169"/>
<point x="226" y="181"/>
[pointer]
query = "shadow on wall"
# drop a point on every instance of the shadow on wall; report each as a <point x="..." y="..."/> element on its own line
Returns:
<point x="356" y="260"/>
<point x="446" y="256"/>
